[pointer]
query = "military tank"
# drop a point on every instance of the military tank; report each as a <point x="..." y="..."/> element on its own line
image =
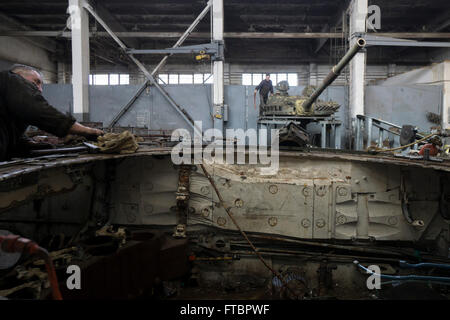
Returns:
<point x="282" y="104"/>
<point x="308" y="104"/>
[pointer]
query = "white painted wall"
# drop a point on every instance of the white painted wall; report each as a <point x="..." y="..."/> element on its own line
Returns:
<point x="436" y="74"/>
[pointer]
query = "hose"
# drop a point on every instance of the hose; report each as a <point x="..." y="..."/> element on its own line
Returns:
<point x="411" y="277"/>
<point x="376" y="149"/>
<point x="12" y="244"/>
<point x="404" y="264"/>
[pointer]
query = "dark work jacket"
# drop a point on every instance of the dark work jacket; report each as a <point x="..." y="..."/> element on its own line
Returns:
<point x="265" y="87"/>
<point x="21" y="105"/>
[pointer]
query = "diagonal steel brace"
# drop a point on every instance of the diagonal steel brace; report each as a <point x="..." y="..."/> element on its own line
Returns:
<point x="150" y="76"/>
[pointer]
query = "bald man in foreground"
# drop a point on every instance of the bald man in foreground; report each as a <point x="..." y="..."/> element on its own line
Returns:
<point x="22" y="104"/>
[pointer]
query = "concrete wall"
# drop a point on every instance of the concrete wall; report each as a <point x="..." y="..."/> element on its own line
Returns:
<point x="404" y="104"/>
<point x="397" y="104"/>
<point x="437" y="74"/>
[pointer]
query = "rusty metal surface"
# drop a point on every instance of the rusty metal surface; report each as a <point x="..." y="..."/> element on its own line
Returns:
<point x="19" y="169"/>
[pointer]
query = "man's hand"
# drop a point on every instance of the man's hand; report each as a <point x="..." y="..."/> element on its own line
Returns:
<point x="79" y="129"/>
<point x="96" y="132"/>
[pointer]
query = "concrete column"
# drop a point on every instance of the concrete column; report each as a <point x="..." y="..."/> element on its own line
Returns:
<point x="358" y="14"/>
<point x="217" y="32"/>
<point x="80" y="58"/>
<point x="446" y="96"/>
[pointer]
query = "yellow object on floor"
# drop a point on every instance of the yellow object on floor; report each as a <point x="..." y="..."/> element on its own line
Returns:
<point x="122" y="143"/>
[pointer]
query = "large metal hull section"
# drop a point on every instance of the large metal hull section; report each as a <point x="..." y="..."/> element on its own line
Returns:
<point x="309" y="199"/>
<point x="319" y="197"/>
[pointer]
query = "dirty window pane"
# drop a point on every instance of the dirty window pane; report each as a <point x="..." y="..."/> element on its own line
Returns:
<point x="282" y="77"/>
<point x="198" y="78"/>
<point x="185" y="78"/>
<point x="173" y="78"/>
<point x="247" y="79"/>
<point x="208" y="78"/>
<point x="163" y="79"/>
<point x="273" y="77"/>
<point x="101" y="79"/>
<point x="124" y="79"/>
<point x="113" y="79"/>
<point x="257" y="78"/>
<point x="292" y="79"/>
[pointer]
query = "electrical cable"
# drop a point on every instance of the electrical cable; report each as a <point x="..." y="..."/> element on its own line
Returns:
<point x="227" y="209"/>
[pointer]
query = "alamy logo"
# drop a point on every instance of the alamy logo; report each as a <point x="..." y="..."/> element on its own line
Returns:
<point x="374" y="17"/>
<point x="74" y="280"/>
<point x="374" y="280"/>
<point x="235" y="143"/>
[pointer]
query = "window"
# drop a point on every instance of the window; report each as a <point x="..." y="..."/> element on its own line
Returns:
<point x="124" y="79"/>
<point x="198" y="78"/>
<point x="173" y="78"/>
<point x="207" y="78"/>
<point x="257" y="78"/>
<point x="247" y="79"/>
<point x="292" y="79"/>
<point x="112" y="79"/>
<point x="101" y="80"/>
<point x="163" y="79"/>
<point x="254" y="79"/>
<point x="185" y="78"/>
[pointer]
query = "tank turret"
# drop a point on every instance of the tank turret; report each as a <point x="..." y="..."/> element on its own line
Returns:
<point x="308" y="104"/>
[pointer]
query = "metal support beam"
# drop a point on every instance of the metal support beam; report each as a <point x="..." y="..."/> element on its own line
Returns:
<point x="180" y="41"/>
<point x="228" y="35"/>
<point x="335" y="21"/>
<point x="218" y="84"/>
<point x="128" y="105"/>
<point x="358" y="14"/>
<point x="144" y="70"/>
<point x="184" y="36"/>
<point x="112" y="21"/>
<point x="388" y="41"/>
<point x="80" y="58"/>
<point x="215" y="49"/>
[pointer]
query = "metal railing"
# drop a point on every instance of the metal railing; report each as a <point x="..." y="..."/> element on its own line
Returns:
<point x="367" y="128"/>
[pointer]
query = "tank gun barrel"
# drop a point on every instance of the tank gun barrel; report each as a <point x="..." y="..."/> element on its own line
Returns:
<point x="335" y="72"/>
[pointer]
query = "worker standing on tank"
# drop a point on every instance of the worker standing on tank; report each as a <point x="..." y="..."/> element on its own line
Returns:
<point x="264" y="88"/>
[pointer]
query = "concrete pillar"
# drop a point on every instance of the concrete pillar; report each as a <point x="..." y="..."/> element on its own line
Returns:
<point x="446" y="96"/>
<point x="358" y="14"/>
<point x="80" y="58"/>
<point x="218" y="89"/>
